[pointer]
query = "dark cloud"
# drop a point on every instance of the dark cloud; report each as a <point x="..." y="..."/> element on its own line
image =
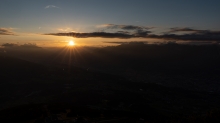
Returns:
<point x="126" y="32"/>
<point x="26" y="45"/>
<point x="186" y="29"/>
<point x="122" y="31"/>
<point x="126" y="27"/>
<point x="131" y="31"/>
<point x="141" y="33"/>
<point x="9" y="45"/>
<point x="196" y="35"/>
<point x="4" y="31"/>
<point x="29" y="45"/>
<point x="132" y="42"/>
<point x="100" y="34"/>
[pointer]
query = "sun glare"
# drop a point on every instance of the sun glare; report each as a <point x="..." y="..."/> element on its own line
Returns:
<point x="71" y="43"/>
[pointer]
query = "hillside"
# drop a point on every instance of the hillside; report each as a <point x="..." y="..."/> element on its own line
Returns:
<point x="32" y="92"/>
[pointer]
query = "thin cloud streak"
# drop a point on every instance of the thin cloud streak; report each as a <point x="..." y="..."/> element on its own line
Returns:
<point x="5" y="31"/>
<point x="93" y="34"/>
<point x="200" y="35"/>
<point x="185" y="29"/>
<point x="51" y="6"/>
<point x="125" y="27"/>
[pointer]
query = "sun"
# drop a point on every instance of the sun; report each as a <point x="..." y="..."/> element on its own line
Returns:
<point x="71" y="43"/>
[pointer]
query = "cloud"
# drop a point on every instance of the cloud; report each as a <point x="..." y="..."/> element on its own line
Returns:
<point x="93" y="34"/>
<point x="132" y="42"/>
<point x="131" y="31"/>
<point x="121" y="31"/>
<point x="186" y="29"/>
<point x="135" y="31"/>
<point x="6" y="31"/>
<point x="26" y="45"/>
<point x="51" y="6"/>
<point x="9" y="45"/>
<point x="205" y="36"/>
<point x="102" y="34"/>
<point x="196" y="35"/>
<point x="125" y="27"/>
<point x="65" y="30"/>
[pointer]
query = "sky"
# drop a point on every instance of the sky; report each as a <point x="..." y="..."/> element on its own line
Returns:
<point x="92" y="22"/>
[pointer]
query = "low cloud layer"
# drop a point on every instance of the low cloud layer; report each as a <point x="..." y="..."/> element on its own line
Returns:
<point x="194" y="35"/>
<point x="116" y="31"/>
<point x="5" y="31"/>
<point x="186" y="29"/>
<point x="136" y="31"/>
<point x="93" y="34"/>
<point x="131" y="31"/>
<point x="125" y="27"/>
<point x="26" y="45"/>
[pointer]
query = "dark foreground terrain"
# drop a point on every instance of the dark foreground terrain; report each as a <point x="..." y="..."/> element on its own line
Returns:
<point x="127" y="83"/>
